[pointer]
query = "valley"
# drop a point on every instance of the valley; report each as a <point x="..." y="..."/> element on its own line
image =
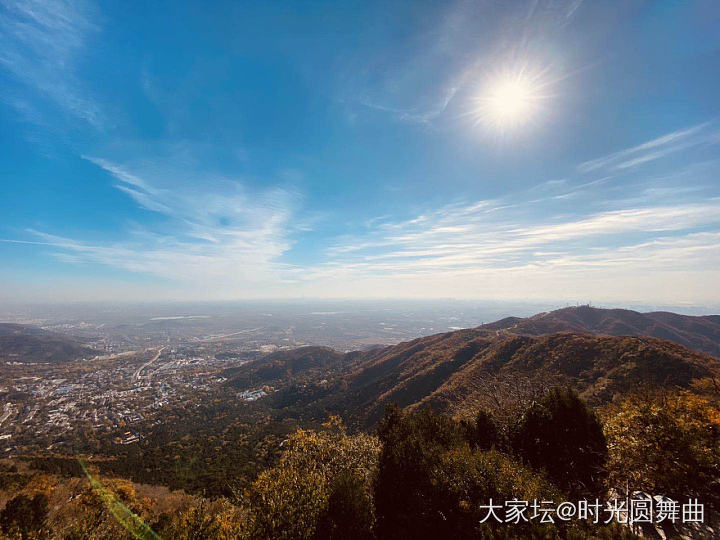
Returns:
<point x="180" y="394"/>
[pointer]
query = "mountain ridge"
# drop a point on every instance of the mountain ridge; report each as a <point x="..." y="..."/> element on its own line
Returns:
<point x="699" y="333"/>
<point x="457" y="372"/>
<point x="462" y="370"/>
<point x="29" y="344"/>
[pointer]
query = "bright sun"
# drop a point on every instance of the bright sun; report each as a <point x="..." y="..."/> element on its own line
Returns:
<point x="509" y="100"/>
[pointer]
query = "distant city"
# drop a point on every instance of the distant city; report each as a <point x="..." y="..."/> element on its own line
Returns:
<point x="147" y="358"/>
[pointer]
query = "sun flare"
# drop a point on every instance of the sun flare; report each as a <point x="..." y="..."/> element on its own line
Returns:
<point x="509" y="100"/>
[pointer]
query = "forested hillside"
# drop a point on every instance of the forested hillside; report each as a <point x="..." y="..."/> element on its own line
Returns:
<point x="419" y="475"/>
<point x="466" y="369"/>
<point x="701" y="333"/>
<point x="24" y="343"/>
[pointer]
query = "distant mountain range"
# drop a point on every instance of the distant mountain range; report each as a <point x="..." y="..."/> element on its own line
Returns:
<point x="601" y="353"/>
<point x="700" y="334"/>
<point x="30" y="344"/>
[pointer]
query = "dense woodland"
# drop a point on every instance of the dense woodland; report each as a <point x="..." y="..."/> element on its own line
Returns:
<point x="419" y="475"/>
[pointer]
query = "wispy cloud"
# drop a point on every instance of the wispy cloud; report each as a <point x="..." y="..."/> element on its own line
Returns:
<point x="214" y="232"/>
<point x="623" y="233"/>
<point x="557" y="238"/>
<point x="434" y="73"/>
<point x="461" y="251"/>
<point x="472" y="237"/>
<point x="420" y="114"/>
<point x="655" y="149"/>
<point x="227" y="242"/>
<point x="40" y="41"/>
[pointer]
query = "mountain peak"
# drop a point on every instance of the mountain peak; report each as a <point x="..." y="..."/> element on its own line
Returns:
<point x="699" y="333"/>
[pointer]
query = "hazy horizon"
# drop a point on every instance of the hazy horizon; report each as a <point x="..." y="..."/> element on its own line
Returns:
<point x="482" y="311"/>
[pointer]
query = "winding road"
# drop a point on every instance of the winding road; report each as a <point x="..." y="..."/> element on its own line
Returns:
<point x="146" y="364"/>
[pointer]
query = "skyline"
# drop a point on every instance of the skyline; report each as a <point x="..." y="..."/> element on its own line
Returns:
<point x="227" y="152"/>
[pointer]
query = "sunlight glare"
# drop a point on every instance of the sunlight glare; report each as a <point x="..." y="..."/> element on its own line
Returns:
<point x="509" y="100"/>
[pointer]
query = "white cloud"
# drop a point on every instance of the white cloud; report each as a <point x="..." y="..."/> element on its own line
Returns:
<point x="216" y="239"/>
<point x="214" y="232"/>
<point x="40" y="41"/>
<point x="653" y="149"/>
<point x="629" y="237"/>
<point x="469" y="249"/>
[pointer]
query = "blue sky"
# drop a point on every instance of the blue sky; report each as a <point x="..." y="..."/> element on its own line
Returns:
<point x="213" y="150"/>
